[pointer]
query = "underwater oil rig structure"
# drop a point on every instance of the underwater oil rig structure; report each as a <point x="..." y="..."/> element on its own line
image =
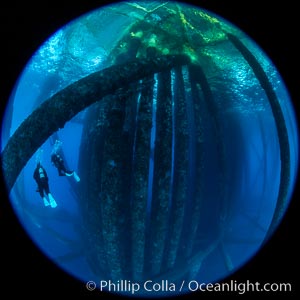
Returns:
<point x="154" y="202"/>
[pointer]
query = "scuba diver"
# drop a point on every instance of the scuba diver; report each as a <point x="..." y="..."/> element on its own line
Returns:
<point x="58" y="162"/>
<point x="41" y="178"/>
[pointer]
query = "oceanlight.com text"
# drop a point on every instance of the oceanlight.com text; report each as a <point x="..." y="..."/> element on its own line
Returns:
<point x="151" y="286"/>
<point x="239" y="287"/>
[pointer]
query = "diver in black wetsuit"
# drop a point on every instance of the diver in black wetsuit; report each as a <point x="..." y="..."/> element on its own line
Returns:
<point x="58" y="162"/>
<point x="41" y="178"/>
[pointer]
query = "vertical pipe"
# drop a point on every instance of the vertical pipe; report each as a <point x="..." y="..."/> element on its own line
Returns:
<point x="140" y="180"/>
<point x="114" y="201"/>
<point x="162" y="173"/>
<point x="221" y="205"/>
<point x="193" y="211"/>
<point x="179" y="188"/>
<point x="90" y="164"/>
<point x="213" y="110"/>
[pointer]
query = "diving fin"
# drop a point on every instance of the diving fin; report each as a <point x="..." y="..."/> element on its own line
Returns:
<point x="76" y="177"/>
<point x="46" y="202"/>
<point x="52" y="201"/>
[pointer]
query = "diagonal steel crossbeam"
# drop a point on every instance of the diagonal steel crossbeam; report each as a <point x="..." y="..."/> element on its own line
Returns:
<point x="52" y="114"/>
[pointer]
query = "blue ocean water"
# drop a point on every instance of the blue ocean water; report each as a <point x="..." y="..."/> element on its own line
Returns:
<point x="247" y="128"/>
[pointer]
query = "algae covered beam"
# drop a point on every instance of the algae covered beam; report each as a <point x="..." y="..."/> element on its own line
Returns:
<point x="140" y="180"/>
<point x="64" y="105"/>
<point x="179" y="185"/>
<point x="114" y="225"/>
<point x="162" y="173"/>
